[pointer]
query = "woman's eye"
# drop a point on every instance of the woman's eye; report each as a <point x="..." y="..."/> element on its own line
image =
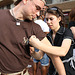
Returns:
<point x="49" y="19"/>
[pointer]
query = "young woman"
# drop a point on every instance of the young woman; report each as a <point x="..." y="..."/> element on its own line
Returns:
<point x="58" y="36"/>
<point x="72" y="25"/>
<point x="61" y="39"/>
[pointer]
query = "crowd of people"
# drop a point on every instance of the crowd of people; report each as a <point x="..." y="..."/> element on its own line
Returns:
<point x="23" y="37"/>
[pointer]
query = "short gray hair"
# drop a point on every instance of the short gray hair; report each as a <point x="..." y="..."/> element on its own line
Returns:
<point x="44" y="1"/>
<point x="17" y="1"/>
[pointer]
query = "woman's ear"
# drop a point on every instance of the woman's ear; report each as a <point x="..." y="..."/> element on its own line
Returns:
<point x="59" y="19"/>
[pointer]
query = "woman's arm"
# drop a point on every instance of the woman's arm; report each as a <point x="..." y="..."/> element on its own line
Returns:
<point x="58" y="64"/>
<point x="55" y="59"/>
<point x="46" y="46"/>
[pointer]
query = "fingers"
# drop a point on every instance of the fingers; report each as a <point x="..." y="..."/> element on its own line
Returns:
<point x="32" y="38"/>
<point x="33" y="41"/>
<point x="32" y="50"/>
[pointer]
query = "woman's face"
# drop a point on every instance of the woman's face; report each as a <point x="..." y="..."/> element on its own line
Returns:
<point x="53" y="21"/>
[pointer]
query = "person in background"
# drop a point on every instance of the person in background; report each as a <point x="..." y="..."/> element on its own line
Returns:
<point x="61" y="39"/>
<point x="45" y="60"/>
<point x="42" y="12"/>
<point x="72" y="25"/>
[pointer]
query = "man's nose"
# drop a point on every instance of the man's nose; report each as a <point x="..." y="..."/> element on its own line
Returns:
<point x="38" y="13"/>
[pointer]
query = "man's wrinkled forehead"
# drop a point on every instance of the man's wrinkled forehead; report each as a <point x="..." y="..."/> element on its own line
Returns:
<point x="42" y="1"/>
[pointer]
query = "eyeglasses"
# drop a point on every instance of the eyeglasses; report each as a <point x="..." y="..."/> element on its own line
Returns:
<point x="54" y="9"/>
<point x="37" y="6"/>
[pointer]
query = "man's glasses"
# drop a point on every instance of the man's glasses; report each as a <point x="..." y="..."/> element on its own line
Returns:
<point x="37" y="6"/>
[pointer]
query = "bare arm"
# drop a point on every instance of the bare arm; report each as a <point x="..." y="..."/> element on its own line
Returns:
<point x="37" y="55"/>
<point x="58" y="64"/>
<point x="45" y="46"/>
<point x="73" y="31"/>
<point x="55" y="59"/>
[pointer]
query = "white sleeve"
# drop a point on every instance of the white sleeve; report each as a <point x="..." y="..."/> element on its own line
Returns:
<point x="43" y="25"/>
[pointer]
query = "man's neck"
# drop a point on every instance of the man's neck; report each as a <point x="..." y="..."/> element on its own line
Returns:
<point x="16" y="14"/>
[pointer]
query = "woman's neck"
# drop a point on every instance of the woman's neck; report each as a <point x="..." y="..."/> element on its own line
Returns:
<point x="54" y="31"/>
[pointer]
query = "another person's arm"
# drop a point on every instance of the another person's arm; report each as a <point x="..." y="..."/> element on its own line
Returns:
<point x="37" y="55"/>
<point x="73" y="31"/>
<point x="58" y="64"/>
<point x="55" y="59"/>
<point x="45" y="46"/>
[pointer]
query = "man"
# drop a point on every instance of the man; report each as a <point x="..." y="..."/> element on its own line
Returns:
<point x="16" y="26"/>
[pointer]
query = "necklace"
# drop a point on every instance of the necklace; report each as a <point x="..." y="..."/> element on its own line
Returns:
<point x="17" y="20"/>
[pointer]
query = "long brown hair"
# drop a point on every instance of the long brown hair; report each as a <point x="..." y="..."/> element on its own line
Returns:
<point x="72" y="14"/>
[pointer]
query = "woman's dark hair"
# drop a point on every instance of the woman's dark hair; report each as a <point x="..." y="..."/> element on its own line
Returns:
<point x="57" y="12"/>
<point x="18" y="1"/>
<point x="72" y="14"/>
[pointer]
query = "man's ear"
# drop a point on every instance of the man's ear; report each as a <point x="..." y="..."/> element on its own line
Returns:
<point x="25" y="1"/>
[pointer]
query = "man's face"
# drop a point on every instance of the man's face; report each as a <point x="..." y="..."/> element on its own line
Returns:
<point x="33" y="8"/>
